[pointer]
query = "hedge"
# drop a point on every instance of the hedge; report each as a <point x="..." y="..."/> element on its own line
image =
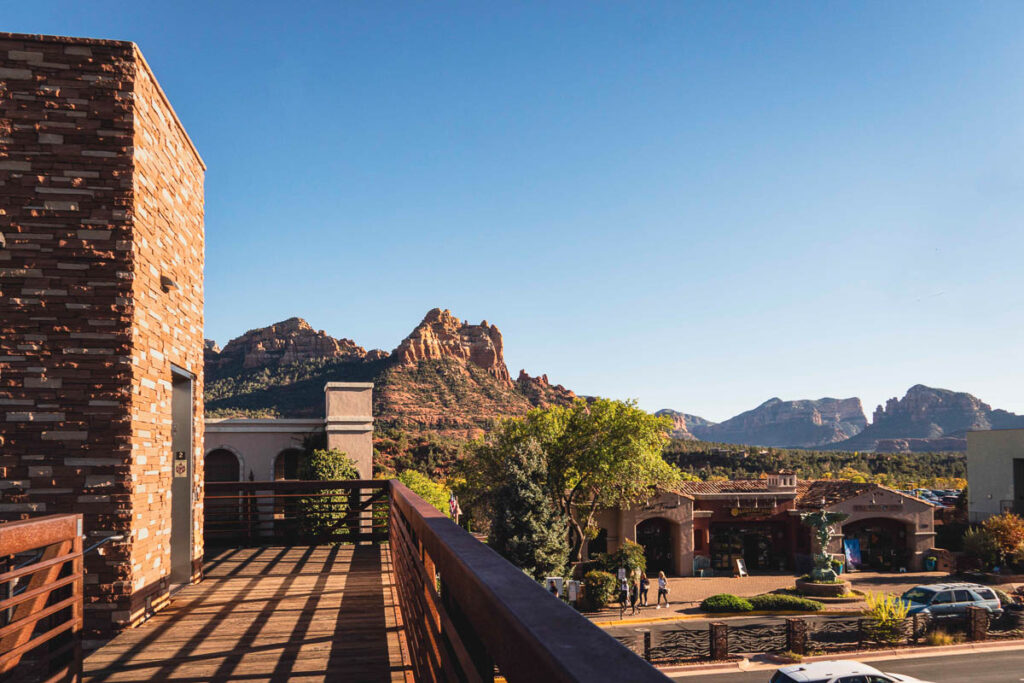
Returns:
<point x="724" y="602"/>
<point x="774" y="601"/>
<point x="598" y="589"/>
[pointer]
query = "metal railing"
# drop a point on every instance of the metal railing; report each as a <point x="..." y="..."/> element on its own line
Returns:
<point x="290" y="512"/>
<point x="41" y="599"/>
<point x="469" y="612"/>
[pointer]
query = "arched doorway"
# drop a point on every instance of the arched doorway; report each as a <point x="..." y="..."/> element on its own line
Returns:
<point x="598" y="545"/>
<point x="221" y="465"/>
<point x="287" y="463"/>
<point x="882" y="543"/>
<point x="655" y="535"/>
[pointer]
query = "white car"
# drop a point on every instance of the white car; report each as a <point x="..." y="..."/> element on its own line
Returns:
<point x="838" y="671"/>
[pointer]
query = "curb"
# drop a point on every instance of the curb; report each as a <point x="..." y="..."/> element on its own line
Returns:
<point x="714" y="616"/>
<point x="859" y="655"/>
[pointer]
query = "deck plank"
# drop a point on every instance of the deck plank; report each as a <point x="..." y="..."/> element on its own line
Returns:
<point x="299" y="613"/>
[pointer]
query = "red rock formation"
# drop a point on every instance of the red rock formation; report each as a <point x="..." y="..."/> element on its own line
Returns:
<point x="541" y="393"/>
<point x="285" y="342"/>
<point x="442" y="336"/>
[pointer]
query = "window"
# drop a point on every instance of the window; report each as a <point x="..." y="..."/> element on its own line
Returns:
<point x="943" y="598"/>
<point x="985" y="594"/>
<point x="964" y="596"/>
<point x="853" y="679"/>
<point x="698" y="539"/>
<point x="921" y="595"/>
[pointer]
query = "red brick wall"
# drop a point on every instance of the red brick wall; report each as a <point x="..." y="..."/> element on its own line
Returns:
<point x="77" y="305"/>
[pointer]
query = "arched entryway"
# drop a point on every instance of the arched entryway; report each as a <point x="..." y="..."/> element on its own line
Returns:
<point x="287" y="463"/>
<point x="221" y="465"/>
<point x="881" y="543"/>
<point x="655" y="535"/>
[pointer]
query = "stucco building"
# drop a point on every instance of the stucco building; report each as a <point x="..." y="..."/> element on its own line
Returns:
<point x="101" y="315"/>
<point x="243" y="449"/>
<point x="708" y="525"/>
<point x="995" y="472"/>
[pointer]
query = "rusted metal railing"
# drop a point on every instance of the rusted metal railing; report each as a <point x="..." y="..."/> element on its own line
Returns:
<point x="468" y="612"/>
<point x="291" y="512"/>
<point x="41" y="599"/>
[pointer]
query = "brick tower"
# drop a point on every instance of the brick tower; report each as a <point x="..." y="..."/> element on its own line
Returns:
<point x="101" y="315"/>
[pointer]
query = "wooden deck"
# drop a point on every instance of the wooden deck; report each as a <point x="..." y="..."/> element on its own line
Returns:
<point x="315" y="613"/>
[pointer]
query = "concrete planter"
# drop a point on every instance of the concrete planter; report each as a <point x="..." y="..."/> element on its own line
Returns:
<point x="822" y="590"/>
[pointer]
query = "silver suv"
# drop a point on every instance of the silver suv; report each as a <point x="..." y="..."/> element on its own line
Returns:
<point x="949" y="599"/>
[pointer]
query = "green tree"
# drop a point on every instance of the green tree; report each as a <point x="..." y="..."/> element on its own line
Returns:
<point x="429" y="490"/>
<point x="321" y="515"/>
<point x="1007" y="532"/>
<point x="526" y="529"/>
<point x="599" y="454"/>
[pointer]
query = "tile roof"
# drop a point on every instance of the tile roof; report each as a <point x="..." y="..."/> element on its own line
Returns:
<point x="809" y="493"/>
<point x="732" y="486"/>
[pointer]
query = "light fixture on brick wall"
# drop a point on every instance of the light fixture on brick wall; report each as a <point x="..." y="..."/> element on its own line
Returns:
<point x="167" y="284"/>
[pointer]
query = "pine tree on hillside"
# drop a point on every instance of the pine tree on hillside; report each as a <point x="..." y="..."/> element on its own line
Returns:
<point x="526" y="529"/>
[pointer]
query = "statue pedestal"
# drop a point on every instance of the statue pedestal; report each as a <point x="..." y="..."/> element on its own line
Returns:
<point x="822" y="590"/>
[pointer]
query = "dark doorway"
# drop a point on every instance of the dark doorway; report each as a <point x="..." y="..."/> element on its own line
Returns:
<point x="1018" y="486"/>
<point x="287" y="463"/>
<point x="221" y="465"/>
<point x="598" y="545"/>
<point x="761" y="546"/>
<point x="181" y="481"/>
<point x="883" y="543"/>
<point x="655" y="535"/>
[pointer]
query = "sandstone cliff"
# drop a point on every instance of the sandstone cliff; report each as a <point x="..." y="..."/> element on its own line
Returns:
<point x="442" y="336"/>
<point x="283" y="343"/>
<point x="929" y="413"/>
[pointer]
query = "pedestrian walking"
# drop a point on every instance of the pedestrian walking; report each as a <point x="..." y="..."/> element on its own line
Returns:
<point x="634" y="596"/>
<point x="662" y="589"/>
<point x="645" y="585"/>
<point x="623" y="594"/>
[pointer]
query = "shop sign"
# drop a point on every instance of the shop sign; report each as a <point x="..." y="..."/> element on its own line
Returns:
<point x="877" y="508"/>
<point x="751" y="512"/>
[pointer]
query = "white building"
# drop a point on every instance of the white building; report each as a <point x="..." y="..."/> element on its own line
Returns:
<point x="995" y="472"/>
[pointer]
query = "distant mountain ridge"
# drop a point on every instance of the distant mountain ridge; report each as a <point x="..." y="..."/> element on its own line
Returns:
<point x="925" y="419"/>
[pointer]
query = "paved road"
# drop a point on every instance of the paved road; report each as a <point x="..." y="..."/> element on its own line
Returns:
<point x="977" y="667"/>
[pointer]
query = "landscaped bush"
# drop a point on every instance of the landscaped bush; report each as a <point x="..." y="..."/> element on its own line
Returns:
<point x="598" y="589"/>
<point x="629" y="555"/>
<point x="885" y="615"/>
<point x="725" y="602"/>
<point x="939" y="638"/>
<point x="319" y="516"/>
<point x="774" y="601"/>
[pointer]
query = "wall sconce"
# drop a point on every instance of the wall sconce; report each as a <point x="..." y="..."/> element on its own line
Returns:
<point x="167" y="284"/>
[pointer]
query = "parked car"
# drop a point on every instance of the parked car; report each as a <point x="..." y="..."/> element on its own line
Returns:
<point x="950" y="599"/>
<point x="838" y="671"/>
<point x="949" y="501"/>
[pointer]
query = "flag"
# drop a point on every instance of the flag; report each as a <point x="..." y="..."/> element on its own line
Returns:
<point x="453" y="505"/>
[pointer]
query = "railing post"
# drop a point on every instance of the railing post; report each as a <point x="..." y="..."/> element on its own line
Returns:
<point x="977" y="623"/>
<point x="719" y="633"/>
<point x="796" y="635"/>
<point x="647" y="644"/>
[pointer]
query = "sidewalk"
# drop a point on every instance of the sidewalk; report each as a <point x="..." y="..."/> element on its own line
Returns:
<point x="762" y="663"/>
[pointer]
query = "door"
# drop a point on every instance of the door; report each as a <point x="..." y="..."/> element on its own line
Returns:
<point x="655" y="535"/>
<point x="181" y="472"/>
<point x="1018" y="485"/>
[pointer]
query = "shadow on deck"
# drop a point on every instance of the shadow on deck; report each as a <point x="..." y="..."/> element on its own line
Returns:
<point x="299" y="613"/>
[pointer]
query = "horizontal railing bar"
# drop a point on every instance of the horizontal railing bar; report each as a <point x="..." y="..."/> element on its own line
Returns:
<point x="28" y="595"/>
<point x="39" y="640"/>
<point x="38" y="566"/>
<point x="30" y="620"/>
<point x="287" y="484"/>
<point x="38" y="532"/>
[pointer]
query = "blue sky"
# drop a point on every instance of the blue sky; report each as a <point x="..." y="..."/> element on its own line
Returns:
<point x="698" y="205"/>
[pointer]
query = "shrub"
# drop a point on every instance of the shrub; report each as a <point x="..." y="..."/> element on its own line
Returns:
<point x="939" y="638"/>
<point x="1004" y="599"/>
<point x="320" y="516"/>
<point x="629" y="555"/>
<point x="790" y="657"/>
<point x="979" y="543"/>
<point x="434" y="493"/>
<point x="1007" y="532"/>
<point x="598" y="589"/>
<point x="885" y="616"/>
<point x="774" y="601"/>
<point x="725" y="602"/>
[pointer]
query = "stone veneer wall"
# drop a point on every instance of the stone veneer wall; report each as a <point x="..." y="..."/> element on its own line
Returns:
<point x="101" y="193"/>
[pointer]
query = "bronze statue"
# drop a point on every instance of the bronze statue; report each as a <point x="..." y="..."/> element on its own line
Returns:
<point x="820" y="522"/>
